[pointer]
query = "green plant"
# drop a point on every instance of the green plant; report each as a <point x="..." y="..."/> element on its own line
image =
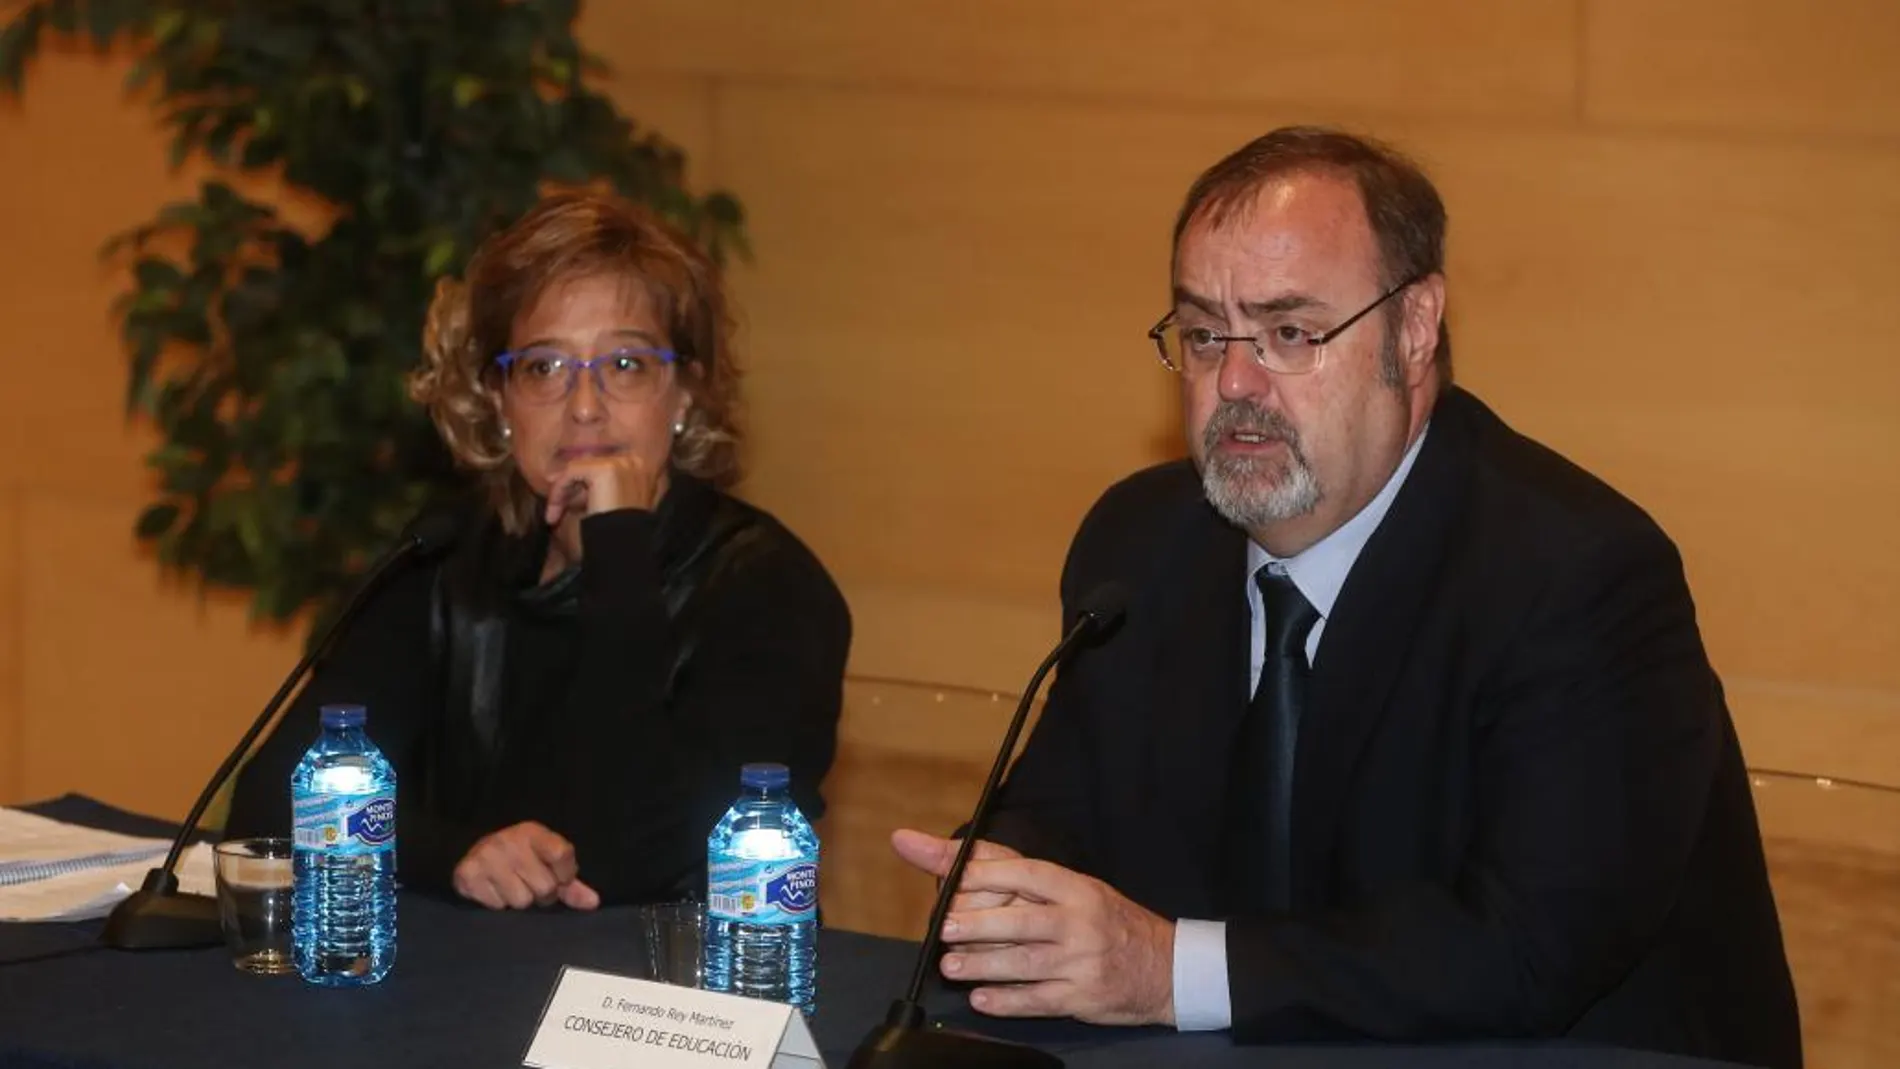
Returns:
<point x="271" y="356"/>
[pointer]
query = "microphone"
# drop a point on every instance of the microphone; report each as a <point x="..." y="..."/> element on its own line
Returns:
<point x="903" y="1042"/>
<point x="157" y="916"/>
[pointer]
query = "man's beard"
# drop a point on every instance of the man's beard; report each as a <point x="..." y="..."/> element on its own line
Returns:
<point x="1255" y="491"/>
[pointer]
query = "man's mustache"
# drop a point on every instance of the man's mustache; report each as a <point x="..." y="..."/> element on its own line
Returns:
<point x="1235" y="417"/>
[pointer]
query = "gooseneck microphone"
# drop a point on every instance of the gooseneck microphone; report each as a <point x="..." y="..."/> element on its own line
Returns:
<point x="157" y="916"/>
<point x="902" y="1042"/>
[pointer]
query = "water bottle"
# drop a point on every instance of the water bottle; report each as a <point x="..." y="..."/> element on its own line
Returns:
<point x="762" y="895"/>
<point x="343" y="811"/>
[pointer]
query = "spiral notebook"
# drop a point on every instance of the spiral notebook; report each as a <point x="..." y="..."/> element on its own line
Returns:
<point x="50" y="870"/>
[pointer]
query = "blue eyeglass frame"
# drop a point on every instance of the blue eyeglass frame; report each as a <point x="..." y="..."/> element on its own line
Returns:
<point x="667" y="356"/>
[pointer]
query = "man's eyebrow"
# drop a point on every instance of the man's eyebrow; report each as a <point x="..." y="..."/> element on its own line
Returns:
<point x="1291" y="302"/>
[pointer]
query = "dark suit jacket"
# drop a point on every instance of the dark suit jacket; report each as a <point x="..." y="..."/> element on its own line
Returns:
<point x="1520" y="808"/>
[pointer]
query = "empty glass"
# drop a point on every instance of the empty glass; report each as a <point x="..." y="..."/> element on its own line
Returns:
<point x="254" y="893"/>
<point x="674" y="935"/>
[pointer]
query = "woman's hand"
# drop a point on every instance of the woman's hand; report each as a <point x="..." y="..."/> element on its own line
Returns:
<point x="521" y="866"/>
<point x="591" y="485"/>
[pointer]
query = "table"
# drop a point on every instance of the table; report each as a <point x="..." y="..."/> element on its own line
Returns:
<point x="468" y="985"/>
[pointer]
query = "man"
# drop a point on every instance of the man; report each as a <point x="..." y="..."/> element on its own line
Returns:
<point x="1409" y="732"/>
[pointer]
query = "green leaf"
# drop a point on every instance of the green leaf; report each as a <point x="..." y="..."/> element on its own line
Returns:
<point x="217" y="197"/>
<point x="359" y="319"/>
<point x="441" y="254"/>
<point x="146" y="349"/>
<point x="206" y="34"/>
<point x="185" y="212"/>
<point x="566" y="164"/>
<point x="140" y="74"/>
<point x="217" y="141"/>
<point x="180" y="150"/>
<point x="63" y="16"/>
<point x="104" y="20"/>
<point x="215" y="244"/>
<point x="144" y="396"/>
<point x="188" y="479"/>
<point x="19" y="41"/>
<point x="156" y="520"/>
<point x="155" y="274"/>
<point x="167" y="25"/>
<point x="168" y="457"/>
<point x="259" y="152"/>
<point x="250" y="531"/>
<point x="722" y="209"/>
<point x="273" y="601"/>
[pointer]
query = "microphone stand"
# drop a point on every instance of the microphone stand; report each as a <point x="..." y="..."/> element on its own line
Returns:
<point x="158" y="916"/>
<point x="903" y="1041"/>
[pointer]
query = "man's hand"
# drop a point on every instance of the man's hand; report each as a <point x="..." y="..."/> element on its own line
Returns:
<point x="1054" y="942"/>
<point x="521" y="866"/>
<point x="935" y="856"/>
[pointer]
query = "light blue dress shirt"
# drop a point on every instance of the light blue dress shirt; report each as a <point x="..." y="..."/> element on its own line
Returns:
<point x="1201" y="999"/>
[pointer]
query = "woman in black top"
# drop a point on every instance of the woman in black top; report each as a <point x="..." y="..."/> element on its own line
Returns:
<point x="568" y="694"/>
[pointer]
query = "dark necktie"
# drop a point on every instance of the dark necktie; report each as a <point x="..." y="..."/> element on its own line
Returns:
<point x="1262" y="776"/>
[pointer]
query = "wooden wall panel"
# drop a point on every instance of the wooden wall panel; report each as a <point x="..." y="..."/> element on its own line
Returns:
<point x="1746" y="66"/>
<point x="134" y="688"/>
<point x="12" y="623"/>
<point x="945" y="324"/>
<point x="81" y="166"/>
<point x="1691" y="321"/>
<point x="678" y="108"/>
<point x="1849" y="732"/>
<point x="1492" y="57"/>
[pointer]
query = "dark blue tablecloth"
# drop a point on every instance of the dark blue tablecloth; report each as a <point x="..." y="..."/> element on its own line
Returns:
<point x="468" y="986"/>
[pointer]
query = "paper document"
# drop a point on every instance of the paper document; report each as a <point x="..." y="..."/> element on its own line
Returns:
<point x="50" y="871"/>
<point x="27" y="839"/>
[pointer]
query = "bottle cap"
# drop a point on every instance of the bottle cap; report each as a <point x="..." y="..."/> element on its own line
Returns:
<point x="343" y="716"/>
<point x="765" y="777"/>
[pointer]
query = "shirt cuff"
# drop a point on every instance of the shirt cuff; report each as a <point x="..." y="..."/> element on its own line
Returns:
<point x="1200" y="977"/>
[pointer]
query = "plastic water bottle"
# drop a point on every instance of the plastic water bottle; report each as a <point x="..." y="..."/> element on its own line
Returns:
<point x="343" y="810"/>
<point x="762" y="895"/>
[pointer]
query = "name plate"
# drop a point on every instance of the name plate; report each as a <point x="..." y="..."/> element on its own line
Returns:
<point x="596" y="1020"/>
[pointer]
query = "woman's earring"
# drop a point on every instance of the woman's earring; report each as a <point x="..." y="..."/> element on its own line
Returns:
<point x="507" y="432"/>
<point x="679" y="428"/>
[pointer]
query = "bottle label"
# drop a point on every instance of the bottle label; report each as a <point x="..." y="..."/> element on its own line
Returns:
<point x="763" y="892"/>
<point x="346" y="823"/>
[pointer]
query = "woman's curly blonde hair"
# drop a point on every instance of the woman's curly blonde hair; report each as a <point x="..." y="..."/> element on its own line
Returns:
<point x="564" y="237"/>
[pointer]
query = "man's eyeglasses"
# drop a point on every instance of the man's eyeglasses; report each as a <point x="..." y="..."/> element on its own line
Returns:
<point x="542" y="375"/>
<point x="1284" y="346"/>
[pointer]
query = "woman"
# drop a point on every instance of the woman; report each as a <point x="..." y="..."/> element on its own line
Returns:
<point x="568" y="694"/>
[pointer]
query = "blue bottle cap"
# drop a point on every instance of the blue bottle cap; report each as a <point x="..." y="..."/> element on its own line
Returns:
<point x="765" y="777"/>
<point x="343" y="716"/>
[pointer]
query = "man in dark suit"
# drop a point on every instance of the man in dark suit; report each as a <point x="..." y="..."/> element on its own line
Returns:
<point x="1409" y="732"/>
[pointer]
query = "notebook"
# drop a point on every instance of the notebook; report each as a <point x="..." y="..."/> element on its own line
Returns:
<point x="51" y="871"/>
